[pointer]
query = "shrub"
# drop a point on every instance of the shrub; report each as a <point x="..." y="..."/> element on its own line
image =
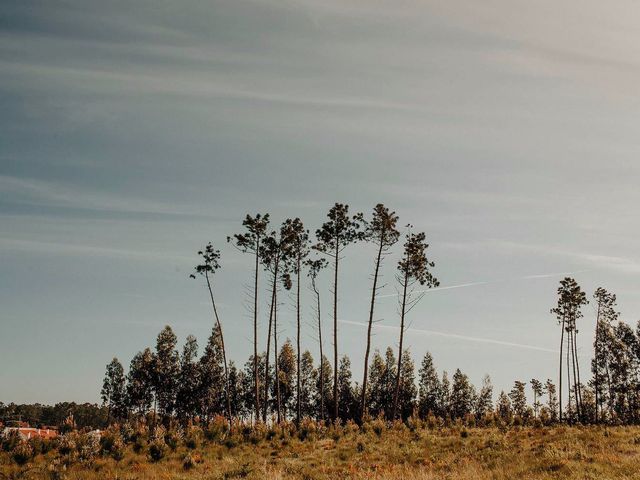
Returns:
<point x="88" y="447"/>
<point x="10" y="441"/>
<point x="172" y="438"/>
<point x="188" y="462"/>
<point x="157" y="450"/>
<point x="22" y="453"/>
<point x="216" y="429"/>
<point x="67" y="444"/>
<point x="464" y="433"/>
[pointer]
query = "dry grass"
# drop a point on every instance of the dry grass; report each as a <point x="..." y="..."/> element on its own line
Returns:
<point x="397" y="453"/>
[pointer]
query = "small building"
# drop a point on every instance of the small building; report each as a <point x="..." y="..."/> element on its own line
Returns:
<point x="27" y="433"/>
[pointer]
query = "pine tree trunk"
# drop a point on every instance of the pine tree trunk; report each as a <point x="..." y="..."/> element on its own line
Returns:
<point x="560" y="370"/>
<point x="363" y="394"/>
<point x="568" y="374"/>
<point x="596" y="359"/>
<point x="255" y="335"/>
<point x="317" y="292"/>
<point x="224" y="351"/>
<point x="266" y="360"/>
<point x="335" y="333"/>
<point x="299" y="411"/>
<point x="275" y="354"/>
<point x="575" y="348"/>
<point x="399" y="372"/>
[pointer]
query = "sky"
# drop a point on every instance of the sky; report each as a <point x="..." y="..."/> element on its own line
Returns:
<point x="133" y="133"/>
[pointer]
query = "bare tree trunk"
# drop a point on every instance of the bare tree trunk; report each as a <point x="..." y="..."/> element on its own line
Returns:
<point x="224" y="351"/>
<point x="399" y="372"/>
<point x="266" y="360"/>
<point x="275" y="354"/>
<point x="576" y="396"/>
<point x="568" y="374"/>
<point x="255" y="335"/>
<point x="575" y="348"/>
<point x="363" y="394"/>
<point x="560" y="370"/>
<point x="595" y="380"/>
<point x="317" y="292"/>
<point x="335" y="333"/>
<point x="299" y="408"/>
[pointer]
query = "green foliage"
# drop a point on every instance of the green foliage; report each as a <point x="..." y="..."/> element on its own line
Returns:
<point x="22" y="453"/>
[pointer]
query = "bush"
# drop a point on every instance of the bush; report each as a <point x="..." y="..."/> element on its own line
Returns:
<point x="22" y="453"/>
<point x="11" y="441"/>
<point x="157" y="450"/>
<point x="216" y="429"/>
<point x="172" y="438"/>
<point x="67" y="444"/>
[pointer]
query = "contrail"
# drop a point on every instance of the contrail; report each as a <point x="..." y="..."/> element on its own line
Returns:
<point x="458" y="337"/>
<point x="475" y="284"/>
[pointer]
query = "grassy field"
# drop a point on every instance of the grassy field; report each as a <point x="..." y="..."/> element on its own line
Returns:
<point x="394" y="453"/>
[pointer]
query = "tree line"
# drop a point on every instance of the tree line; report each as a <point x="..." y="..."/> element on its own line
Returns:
<point x="284" y="382"/>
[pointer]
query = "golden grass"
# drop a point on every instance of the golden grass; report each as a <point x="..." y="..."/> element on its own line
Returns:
<point x="396" y="454"/>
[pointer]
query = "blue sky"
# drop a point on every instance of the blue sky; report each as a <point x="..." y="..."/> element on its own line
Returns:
<point x="132" y="133"/>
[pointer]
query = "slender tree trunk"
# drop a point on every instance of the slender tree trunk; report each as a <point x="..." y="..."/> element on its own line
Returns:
<point x="596" y="359"/>
<point x="363" y="394"/>
<point x="255" y="335"/>
<point x="266" y="360"/>
<point x="575" y="348"/>
<point x="275" y="354"/>
<point x="299" y="408"/>
<point x="317" y="292"/>
<point x="224" y="351"/>
<point x="568" y="374"/>
<point x="560" y="370"/>
<point x="399" y="372"/>
<point x="576" y="395"/>
<point x="335" y="333"/>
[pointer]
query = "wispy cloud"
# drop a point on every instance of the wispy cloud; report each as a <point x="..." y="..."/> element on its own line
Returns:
<point x="476" y="284"/>
<point x="455" y="336"/>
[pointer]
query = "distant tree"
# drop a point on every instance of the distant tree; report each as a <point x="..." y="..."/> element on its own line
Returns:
<point x="484" y="399"/>
<point x="348" y="403"/>
<point x="298" y="242"/>
<point x="462" y="395"/>
<point x="552" y="399"/>
<point x="503" y="408"/>
<point x="307" y="387"/>
<point x="381" y="231"/>
<point x="518" y="398"/>
<point x="444" y="396"/>
<point x="567" y="311"/>
<point x="187" y="400"/>
<point x="324" y="386"/>
<point x="378" y="395"/>
<point x="333" y="237"/>
<point x="606" y="315"/>
<point x="413" y="268"/>
<point x="167" y="369"/>
<point x="276" y="255"/>
<point x="248" y="378"/>
<point x="408" y="391"/>
<point x="250" y="242"/>
<point x="113" y="392"/>
<point x="537" y="388"/>
<point x="236" y="393"/>
<point x="428" y="387"/>
<point x="315" y="266"/>
<point x="140" y="389"/>
<point x="210" y="264"/>
<point x="212" y="386"/>
<point x="286" y="379"/>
